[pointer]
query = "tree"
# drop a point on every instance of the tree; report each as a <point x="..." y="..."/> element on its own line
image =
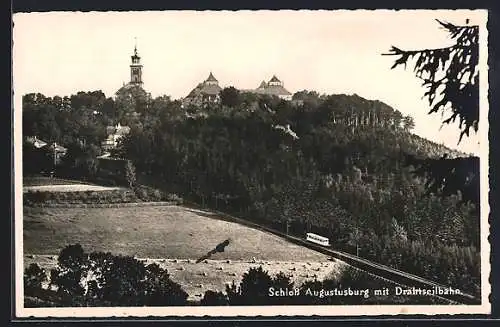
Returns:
<point x="72" y="265"/>
<point x="310" y="99"/>
<point x="104" y="279"/>
<point x="230" y="97"/>
<point x="80" y="161"/>
<point x="214" y="298"/>
<point x="408" y="123"/>
<point x="130" y="174"/>
<point x="159" y="290"/>
<point x="34" y="276"/>
<point x="36" y="160"/>
<point x="456" y="89"/>
<point x="253" y="288"/>
<point x="451" y="78"/>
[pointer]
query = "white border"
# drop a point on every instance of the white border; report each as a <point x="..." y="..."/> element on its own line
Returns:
<point x="266" y="311"/>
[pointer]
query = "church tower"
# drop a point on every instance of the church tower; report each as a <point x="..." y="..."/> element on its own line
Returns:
<point x="136" y="69"/>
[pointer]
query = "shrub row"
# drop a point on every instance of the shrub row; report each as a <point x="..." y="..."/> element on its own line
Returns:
<point x="110" y="196"/>
<point x="149" y="194"/>
<point x="106" y="205"/>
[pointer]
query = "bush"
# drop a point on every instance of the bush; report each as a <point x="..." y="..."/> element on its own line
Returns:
<point x="148" y="194"/>
<point x="157" y="195"/>
<point x="89" y="197"/>
<point x="214" y="298"/>
<point x="34" y="276"/>
<point x="103" y="279"/>
<point x="174" y="198"/>
<point x="72" y="265"/>
<point x="142" y="194"/>
<point x="130" y="174"/>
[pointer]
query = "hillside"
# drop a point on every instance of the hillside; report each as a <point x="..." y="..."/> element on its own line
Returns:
<point x="333" y="164"/>
<point x="174" y="237"/>
<point x="152" y="232"/>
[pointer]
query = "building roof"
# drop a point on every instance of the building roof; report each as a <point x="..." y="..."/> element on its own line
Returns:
<point x="56" y="147"/>
<point x="273" y="90"/>
<point x="36" y="142"/>
<point x="196" y="91"/>
<point x="211" y="78"/>
<point x="205" y="89"/>
<point x="104" y="155"/>
<point x="210" y="89"/>
<point x="136" y="55"/>
<point x="274" y="79"/>
<point x="262" y="85"/>
<point x="117" y="130"/>
<point x="130" y="87"/>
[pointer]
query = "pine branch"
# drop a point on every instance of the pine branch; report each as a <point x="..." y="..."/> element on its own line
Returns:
<point x="460" y="84"/>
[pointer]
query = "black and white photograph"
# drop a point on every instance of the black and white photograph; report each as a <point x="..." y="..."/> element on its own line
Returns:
<point x="251" y="163"/>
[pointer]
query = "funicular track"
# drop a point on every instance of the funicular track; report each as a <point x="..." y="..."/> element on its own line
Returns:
<point x="392" y="275"/>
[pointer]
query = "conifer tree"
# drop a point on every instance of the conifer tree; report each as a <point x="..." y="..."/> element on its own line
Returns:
<point x="450" y="76"/>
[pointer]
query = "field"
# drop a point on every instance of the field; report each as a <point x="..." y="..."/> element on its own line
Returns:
<point x="52" y="184"/>
<point x="44" y="180"/>
<point x="69" y="188"/>
<point x="197" y="278"/>
<point x="173" y="236"/>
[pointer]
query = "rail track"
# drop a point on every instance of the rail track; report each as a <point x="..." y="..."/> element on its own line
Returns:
<point x="393" y="275"/>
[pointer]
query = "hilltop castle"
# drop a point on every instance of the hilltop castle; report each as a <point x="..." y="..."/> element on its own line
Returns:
<point x="207" y="91"/>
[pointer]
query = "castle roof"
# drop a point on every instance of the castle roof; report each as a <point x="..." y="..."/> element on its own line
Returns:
<point x="211" y="78"/>
<point x="273" y="90"/>
<point x="211" y="89"/>
<point x="273" y="87"/>
<point x="274" y="79"/>
<point x="262" y="85"/>
<point x="206" y="88"/>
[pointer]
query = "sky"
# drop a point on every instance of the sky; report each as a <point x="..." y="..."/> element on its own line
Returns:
<point x="331" y="52"/>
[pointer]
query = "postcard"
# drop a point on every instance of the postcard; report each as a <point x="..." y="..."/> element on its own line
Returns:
<point x="251" y="163"/>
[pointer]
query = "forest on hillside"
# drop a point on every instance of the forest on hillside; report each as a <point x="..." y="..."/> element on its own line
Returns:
<point x="331" y="164"/>
<point x="334" y="165"/>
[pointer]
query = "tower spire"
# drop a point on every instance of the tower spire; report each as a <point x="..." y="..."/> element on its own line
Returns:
<point x="136" y="67"/>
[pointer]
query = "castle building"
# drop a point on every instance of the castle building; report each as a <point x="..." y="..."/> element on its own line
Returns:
<point x="207" y="91"/>
<point x="274" y="87"/>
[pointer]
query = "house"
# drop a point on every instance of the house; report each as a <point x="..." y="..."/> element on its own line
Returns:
<point x="37" y="143"/>
<point x="43" y="149"/>
<point x="57" y="151"/>
<point x="113" y="135"/>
